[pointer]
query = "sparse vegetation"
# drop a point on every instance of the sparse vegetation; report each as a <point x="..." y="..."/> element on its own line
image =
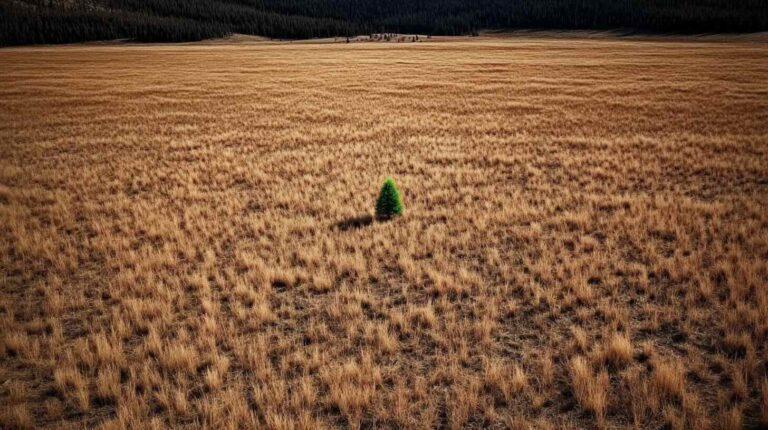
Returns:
<point x="181" y="239"/>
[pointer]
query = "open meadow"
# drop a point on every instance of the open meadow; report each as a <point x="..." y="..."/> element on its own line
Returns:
<point x="186" y="236"/>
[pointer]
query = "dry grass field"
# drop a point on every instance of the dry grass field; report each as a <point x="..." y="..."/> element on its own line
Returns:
<point x="186" y="235"/>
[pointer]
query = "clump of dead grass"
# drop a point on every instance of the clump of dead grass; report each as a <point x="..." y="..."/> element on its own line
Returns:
<point x="590" y="388"/>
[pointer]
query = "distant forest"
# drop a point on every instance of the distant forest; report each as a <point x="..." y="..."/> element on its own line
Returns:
<point x="63" y="21"/>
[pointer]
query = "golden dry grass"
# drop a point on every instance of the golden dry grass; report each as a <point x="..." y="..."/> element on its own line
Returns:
<point x="186" y="241"/>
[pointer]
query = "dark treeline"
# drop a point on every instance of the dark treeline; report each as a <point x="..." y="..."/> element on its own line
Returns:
<point x="50" y="21"/>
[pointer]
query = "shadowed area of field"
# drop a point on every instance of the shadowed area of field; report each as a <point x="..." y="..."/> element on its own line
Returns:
<point x="187" y="235"/>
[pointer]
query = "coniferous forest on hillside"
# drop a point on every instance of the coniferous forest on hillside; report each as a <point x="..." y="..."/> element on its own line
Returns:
<point x="64" y="21"/>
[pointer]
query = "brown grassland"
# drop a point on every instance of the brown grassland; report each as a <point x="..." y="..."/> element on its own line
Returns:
<point x="186" y="238"/>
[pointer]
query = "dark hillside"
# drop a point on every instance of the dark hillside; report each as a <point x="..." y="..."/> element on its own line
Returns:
<point x="61" y="21"/>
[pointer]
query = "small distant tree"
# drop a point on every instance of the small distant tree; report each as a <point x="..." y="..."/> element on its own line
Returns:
<point x="389" y="204"/>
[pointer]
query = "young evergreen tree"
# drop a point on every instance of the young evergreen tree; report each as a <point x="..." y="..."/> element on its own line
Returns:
<point x="389" y="204"/>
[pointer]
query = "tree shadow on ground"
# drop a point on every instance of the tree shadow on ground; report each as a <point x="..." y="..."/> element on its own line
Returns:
<point x="354" y="223"/>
